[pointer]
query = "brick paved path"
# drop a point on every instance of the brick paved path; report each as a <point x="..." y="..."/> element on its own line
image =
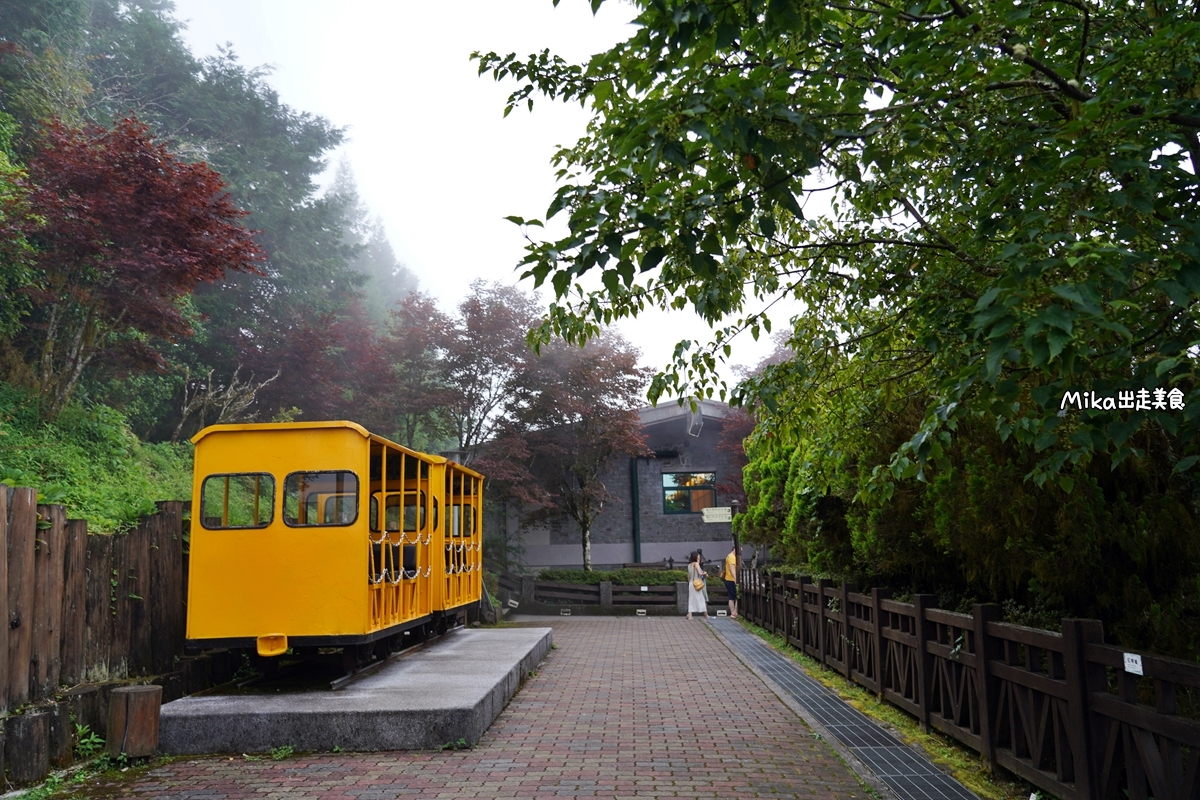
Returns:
<point x="604" y="717"/>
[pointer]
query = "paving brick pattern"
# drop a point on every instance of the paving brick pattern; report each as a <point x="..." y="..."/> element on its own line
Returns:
<point x="907" y="773"/>
<point x="618" y="710"/>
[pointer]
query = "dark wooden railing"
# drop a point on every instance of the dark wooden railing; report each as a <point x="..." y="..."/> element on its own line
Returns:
<point x="603" y="597"/>
<point x="1061" y="710"/>
<point x="83" y="614"/>
<point x="82" y="607"/>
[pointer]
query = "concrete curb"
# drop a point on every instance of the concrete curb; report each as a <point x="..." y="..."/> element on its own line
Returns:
<point x="864" y="773"/>
<point x="452" y="690"/>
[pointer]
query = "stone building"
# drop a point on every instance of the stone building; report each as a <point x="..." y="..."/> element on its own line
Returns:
<point x="662" y="518"/>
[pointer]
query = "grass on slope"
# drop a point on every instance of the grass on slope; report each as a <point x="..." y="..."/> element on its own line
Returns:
<point x="89" y="460"/>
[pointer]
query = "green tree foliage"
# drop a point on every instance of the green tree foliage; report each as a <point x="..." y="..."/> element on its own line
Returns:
<point x="103" y="59"/>
<point x="568" y="415"/>
<point x="483" y="357"/>
<point x="387" y="280"/>
<point x="15" y="274"/>
<point x="1010" y="183"/>
<point x="418" y="395"/>
<point x="979" y="207"/>
<point x="120" y="231"/>
<point x="41" y="23"/>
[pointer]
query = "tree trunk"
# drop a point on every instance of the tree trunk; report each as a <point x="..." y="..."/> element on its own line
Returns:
<point x="587" y="549"/>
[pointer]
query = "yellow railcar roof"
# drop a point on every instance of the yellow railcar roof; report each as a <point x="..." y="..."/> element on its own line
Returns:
<point x="341" y="423"/>
<point x="281" y="426"/>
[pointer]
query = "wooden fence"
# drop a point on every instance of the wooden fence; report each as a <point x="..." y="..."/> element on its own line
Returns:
<point x="85" y="608"/>
<point x="605" y="597"/>
<point x="1072" y="715"/>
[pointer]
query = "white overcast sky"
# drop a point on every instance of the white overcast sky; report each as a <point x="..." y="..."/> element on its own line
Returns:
<point x="431" y="152"/>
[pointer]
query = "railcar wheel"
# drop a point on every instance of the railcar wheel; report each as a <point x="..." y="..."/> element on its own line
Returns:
<point x="266" y="666"/>
<point x="355" y="657"/>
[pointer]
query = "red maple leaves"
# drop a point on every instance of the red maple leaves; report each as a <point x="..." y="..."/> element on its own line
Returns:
<point x="121" y="230"/>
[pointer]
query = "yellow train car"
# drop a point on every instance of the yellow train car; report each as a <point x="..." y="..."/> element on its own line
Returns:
<point x="322" y="534"/>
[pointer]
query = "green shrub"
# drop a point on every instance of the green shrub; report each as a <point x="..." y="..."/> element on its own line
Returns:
<point x="492" y="582"/>
<point x="90" y="461"/>
<point x="621" y="577"/>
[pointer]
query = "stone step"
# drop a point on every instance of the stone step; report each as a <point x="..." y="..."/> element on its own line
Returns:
<point x="450" y="690"/>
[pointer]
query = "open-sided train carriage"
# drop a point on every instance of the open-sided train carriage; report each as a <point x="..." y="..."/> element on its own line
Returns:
<point x="322" y="534"/>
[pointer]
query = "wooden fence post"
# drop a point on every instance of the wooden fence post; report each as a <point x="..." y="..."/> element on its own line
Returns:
<point x="27" y="742"/>
<point x="74" y="604"/>
<point x="118" y="644"/>
<point x="769" y="600"/>
<point x="5" y="493"/>
<point x="788" y="611"/>
<point x="847" y="632"/>
<point x="780" y="595"/>
<point x="822" y="627"/>
<point x="743" y="592"/>
<point x="761" y="582"/>
<point x="175" y="576"/>
<point x="877" y="596"/>
<point x="924" y="630"/>
<point x="805" y="581"/>
<point x="61" y="737"/>
<point x="22" y="530"/>
<point x="987" y="649"/>
<point x="47" y="601"/>
<point x="756" y="587"/>
<point x="1081" y="680"/>
<point x="137" y="591"/>
<point x="100" y="608"/>
<point x="133" y="720"/>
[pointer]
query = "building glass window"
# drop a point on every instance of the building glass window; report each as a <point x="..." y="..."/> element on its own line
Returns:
<point x="688" y="492"/>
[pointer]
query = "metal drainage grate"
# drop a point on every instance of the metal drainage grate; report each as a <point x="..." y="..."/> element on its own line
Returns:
<point x="906" y="772"/>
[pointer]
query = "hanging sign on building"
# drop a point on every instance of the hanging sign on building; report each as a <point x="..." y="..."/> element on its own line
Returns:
<point x="719" y="514"/>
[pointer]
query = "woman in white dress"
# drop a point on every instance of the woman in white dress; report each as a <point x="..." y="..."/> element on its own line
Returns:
<point x="697" y="598"/>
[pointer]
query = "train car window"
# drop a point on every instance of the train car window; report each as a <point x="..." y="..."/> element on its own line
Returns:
<point x="414" y="512"/>
<point x="320" y="498"/>
<point x="237" y="501"/>
<point x="340" y="509"/>
<point x="463" y="521"/>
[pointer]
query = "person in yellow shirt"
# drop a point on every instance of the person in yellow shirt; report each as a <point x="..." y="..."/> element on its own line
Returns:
<point x="730" y="578"/>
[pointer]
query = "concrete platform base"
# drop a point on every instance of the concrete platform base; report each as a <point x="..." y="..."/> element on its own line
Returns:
<point x="451" y="689"/>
